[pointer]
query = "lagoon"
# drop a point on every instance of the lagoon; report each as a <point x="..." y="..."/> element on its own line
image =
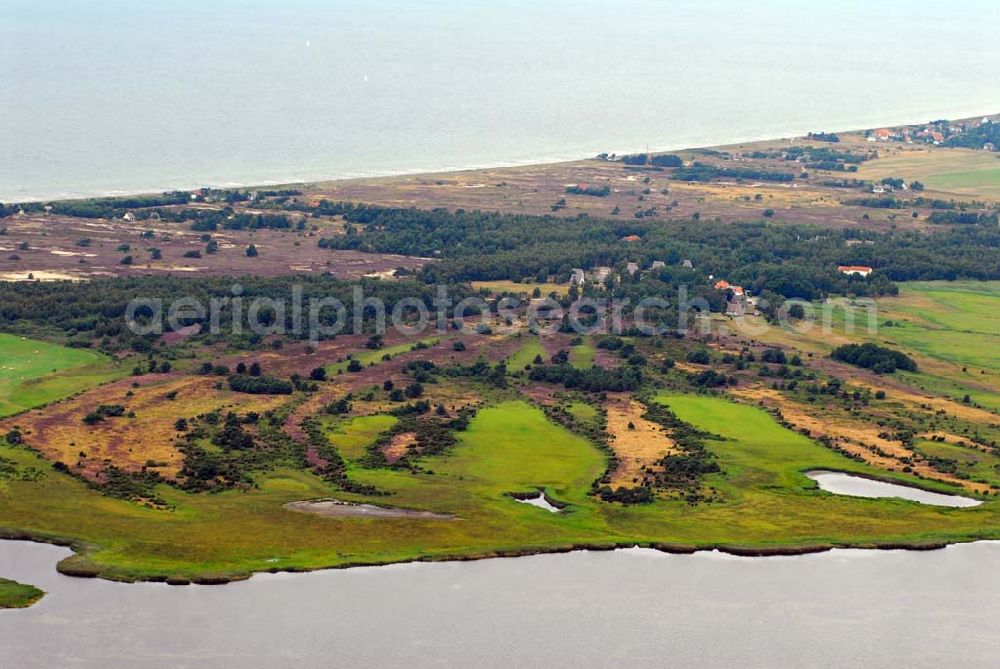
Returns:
<point x="860" y="608"/>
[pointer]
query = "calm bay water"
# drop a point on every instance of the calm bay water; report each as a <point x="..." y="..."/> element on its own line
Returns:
<point x="104" y="96"/>
<point x="836" y="609"/>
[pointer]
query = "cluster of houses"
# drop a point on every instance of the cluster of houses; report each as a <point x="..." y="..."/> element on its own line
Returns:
<point x="599" y="275"/>
<point x="739" y="303"/>
<point x="882" y="188"/>
<point x="907" y="135"/>
<point x="933" y="133"/>
<point x="738" y="300"/>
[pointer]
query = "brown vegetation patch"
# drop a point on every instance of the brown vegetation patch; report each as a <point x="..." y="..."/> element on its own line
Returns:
<point x="637" y="442"/>
<point x="53" y="252"/>
<point x="452" y="394"/>
<point x="854" y="438"/>
<point x="541" y="393"/>
<point x="541" y="189"/>
<point x="131" y="443"/>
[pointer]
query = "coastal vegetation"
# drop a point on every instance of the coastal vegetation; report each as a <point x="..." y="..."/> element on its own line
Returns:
<point x="184" y="454"/>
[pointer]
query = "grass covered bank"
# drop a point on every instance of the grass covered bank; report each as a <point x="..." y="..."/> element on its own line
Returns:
<point x="14" y="595"/>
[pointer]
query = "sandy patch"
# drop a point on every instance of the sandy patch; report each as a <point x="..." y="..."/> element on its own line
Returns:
<point x="398" y="445"/>
<point x="62" y="252"/>
<point x="637" y="447"/>
<point x="336" y="508"/>
<point x="38" y="275"/>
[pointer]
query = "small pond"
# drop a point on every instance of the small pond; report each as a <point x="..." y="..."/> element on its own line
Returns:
<point x="840" y="483"/>
<point x="539" y="500"/>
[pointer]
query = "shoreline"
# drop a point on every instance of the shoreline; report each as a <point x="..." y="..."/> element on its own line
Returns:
<point x="534" y="161"/>
<point x="78" y="566"/>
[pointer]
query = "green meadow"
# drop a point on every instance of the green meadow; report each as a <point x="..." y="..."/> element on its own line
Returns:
<point x="959" y="171"/>
<point x="353" y="436"/>
<point x="984" y="181"/>
<point x="35" y="372"/>
<point x="765" y="502"/>
<point x="525" y="355"/>
<point x="969" y="462"/>
<point x="946" y="325"/>
<point x="582" y="356"/>
<point x="956" y="322"/>
<point x="582" y="411"/>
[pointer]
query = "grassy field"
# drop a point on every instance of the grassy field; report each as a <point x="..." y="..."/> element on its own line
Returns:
<point x="503" y="286"/>
<point x="946" y="326"/>
<point x="582" y="356"/>
<point x="146" y="438"/>
<point x="766" y="501"/>
<point x="959" y="171"/>
<point x="975" y="182"/>
<point x="582" y="411"/>
<point x="35" y="372"/>
<point x="353" y="436"/>
<point x="956" y="322"/>
<point x="954" y="328"/>
<point x="14" y="595"/>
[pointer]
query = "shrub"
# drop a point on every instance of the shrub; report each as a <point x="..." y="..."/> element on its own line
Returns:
<point x="699" y="357"/>
<point x="879" y="359"/>
<point x="259" y="385"/>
